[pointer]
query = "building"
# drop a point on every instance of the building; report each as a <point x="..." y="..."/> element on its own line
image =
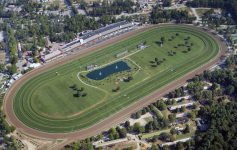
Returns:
<point x="233" y="39"/>
<point x="106" y="31"/>
<point x="2" y="51"/>
<point x="91" y="67"/>
<point x="171" y="108"/>
<point x="42" y="1"/>
<point x="12" y="8"/>
<point x="175" y="142"/>
<point x="1" y="36"/>
<point x="51" y="55"/>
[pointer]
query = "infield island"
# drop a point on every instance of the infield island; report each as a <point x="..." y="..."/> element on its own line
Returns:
<point x="83" y="92"/>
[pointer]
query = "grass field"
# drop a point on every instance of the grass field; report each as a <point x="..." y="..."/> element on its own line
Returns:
<point x="48" y="102"/>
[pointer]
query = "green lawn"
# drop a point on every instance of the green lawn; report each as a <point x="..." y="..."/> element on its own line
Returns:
<point x="47" y="102"/>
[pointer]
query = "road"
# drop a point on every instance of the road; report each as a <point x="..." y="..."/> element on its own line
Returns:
<point x="113" y="119"/>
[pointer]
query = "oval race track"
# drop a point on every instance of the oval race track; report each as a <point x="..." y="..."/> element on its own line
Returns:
<point x="110" y="121"/>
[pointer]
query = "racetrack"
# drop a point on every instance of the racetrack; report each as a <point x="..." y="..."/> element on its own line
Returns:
<point x="107" y="123"/>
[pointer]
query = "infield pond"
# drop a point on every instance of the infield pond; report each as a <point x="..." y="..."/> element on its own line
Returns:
<point x="108" y="70"/>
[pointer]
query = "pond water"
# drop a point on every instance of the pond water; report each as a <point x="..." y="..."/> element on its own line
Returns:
<point x="102" y="73"/>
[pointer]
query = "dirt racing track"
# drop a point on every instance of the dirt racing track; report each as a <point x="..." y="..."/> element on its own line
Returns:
<point x="113" y="119"/>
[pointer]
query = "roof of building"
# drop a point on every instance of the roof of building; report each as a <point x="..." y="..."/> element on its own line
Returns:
<point x="1" y="36"/>
<point x="103" y="29"/>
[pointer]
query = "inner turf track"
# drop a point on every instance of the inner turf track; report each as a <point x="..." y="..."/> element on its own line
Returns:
<point x="23" y="109"/>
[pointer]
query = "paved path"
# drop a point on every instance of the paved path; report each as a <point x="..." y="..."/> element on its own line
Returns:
<point x="195" y="14"/>
<point x="113" y="119"/>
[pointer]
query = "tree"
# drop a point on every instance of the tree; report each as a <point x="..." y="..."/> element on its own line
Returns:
<point x="138" y="128"/>
<point x="138" y="114"/>
<point x="166" y="3"/>
<point x="127" y="124"/>
<point x="145" y="42"/>
<point x="149" y="126"/>
<point x="2" y="67"/>
<point x="100" y="136"/>
<point x="180" y="146"/>
<point x="154" y="147"/>
<point x="122" y="133"/>
<point x="164" y="136"/>
<point x="155" y="124"/>
<point x="162" y="39"/>
<point x="161" y="105"/>
<point x="192" y="115"/>
<point x="187" y="129"/>
<point x="84" y="94"/>
<point x="74" y="87"/>
<point x="183" y="109"/>
<point x="81" y="89"/>
<point x="12" y="69"/>
<point x="172" y="117"/>
<point x="144" y="111"/>
<point x="172" y="131"/>
<point x="78" y="94"/>
<point x="113" y="134"/>
<point x="41" y="41"/>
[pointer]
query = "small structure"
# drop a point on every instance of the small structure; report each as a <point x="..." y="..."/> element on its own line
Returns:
<point x="35" y="65"/>
<point x="91" y="67"/>
<point x="142" y="46"/>
<point x="182" y="120"/>
<point x="110" y="142"/>
<point x="233" y="39"/>
<point x="1" y="36"/>
<point x="171" y="108"/>
<point x="53" y="54"/>
<point x="175" y="142"/>
<point x="16" y="76"/>
<point x="19" y="50"/>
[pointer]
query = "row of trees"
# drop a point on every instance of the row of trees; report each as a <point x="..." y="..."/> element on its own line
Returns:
<point x="12" y="47"/>
<point x="114" y="8"/>
<point x="161" y="16"/>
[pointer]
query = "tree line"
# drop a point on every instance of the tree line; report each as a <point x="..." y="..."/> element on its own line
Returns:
<point x="161" y="16"/>
<point x="114" y="8"/>
<point x="12" y="48"/>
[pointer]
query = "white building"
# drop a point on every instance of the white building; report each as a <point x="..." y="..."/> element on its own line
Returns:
<point x="171" y="108"/>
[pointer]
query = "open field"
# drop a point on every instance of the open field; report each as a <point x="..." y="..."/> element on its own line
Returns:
<point x="47" y="103"/>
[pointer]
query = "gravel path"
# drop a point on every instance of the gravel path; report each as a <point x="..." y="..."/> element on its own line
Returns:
<point x="110" y="121"/>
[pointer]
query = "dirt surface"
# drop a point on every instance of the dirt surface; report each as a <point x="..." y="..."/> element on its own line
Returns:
<point x="113" y="119"/>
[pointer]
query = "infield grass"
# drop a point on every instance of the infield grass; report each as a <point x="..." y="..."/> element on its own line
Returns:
<point x="47" y="103"/>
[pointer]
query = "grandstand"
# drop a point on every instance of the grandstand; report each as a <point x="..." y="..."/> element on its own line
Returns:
<point x="99" y="33"/>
